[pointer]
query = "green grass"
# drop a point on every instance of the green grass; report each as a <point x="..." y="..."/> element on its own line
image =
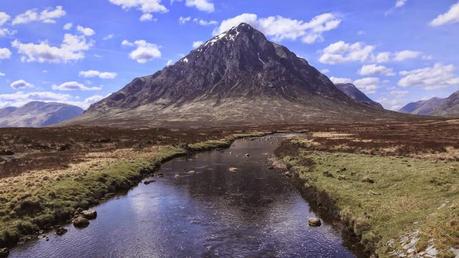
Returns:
<point x="407" y="195"/>
<point x="42" y="200"/>
<point x="55" y="201"/>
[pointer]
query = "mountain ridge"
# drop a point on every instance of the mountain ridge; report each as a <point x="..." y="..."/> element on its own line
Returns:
<point x="38" y="114"/>
<point x="447" y="107"/>
<point x="354" y="93"/>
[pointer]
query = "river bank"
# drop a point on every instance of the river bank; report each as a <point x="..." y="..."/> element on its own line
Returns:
<point x="392" y="205"/>
<point x="38" y="201"/>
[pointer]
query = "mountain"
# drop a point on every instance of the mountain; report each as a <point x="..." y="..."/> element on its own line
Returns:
<point x="237" y="77"/>
<point x="354" y="93"/>
<point x="37" y="114"/>
<point x="448" y="107"/>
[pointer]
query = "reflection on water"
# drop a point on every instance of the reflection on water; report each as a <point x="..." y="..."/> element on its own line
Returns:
<point x="201" y="209"/>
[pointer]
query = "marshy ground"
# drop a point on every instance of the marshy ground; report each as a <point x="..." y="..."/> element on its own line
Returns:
<point x="396" y="184"/>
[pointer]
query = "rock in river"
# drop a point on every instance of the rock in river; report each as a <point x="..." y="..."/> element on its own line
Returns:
<point x="89" y="214"/>
<point x="60" y="231"/>
<point x="314" y="222"/>
<point x="80" y="222"/>
<point x="233" y="169"/>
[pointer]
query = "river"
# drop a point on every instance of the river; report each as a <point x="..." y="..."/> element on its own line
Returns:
<point x="202" y="209"/>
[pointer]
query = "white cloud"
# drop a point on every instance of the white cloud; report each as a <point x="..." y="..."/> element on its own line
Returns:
<point x="196" y="44"/>
<point x="202" y="22"/>
<point x="373" y="69"/>
<point x="108" y="37"/>
<point x="451" y="16"/>
<point x="5" y="53"/>
<point x="68" y="26"/>
<point x="281" y="28"/>
<point x="46" y="16"/>
<point x="202" y="5"/>
<point x="21" y="98"/>
<point x="21" y="84"/>
<point x="405" y="55"/>
<point x="342" y="52"/>
<point x="4" y="18"/>
<point x="147" y="7"/>
<point x="400" y="3"/>
<point x="73" y="85"/>
<point x="2" y="74"/>
<point x="144" y="51"/>
<point x="430" y="78"/>
<point x="99" y="74"/>
<point x="336" y="80"/>
<point x="169" y="62"/>
<point x="73" y="47"/>
<point x="367" y="84"/>
<point x="146" y="17"/>
<point x="88" y="32"/>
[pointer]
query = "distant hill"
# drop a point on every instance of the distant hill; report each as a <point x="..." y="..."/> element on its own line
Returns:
<point x="448" y="107"/>
<point x="236" y="78"/>
<point x="354" y="93"/>
<point x="37" y="114"/>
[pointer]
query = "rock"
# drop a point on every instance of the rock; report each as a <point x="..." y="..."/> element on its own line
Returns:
<point x="367" y="179"/>
<point x="89" y="214"/>
<point x="270" y="167"/>
<point x="233" y="169"/>
<point x="60" y="231"/>
<point x="247" y="155"/>
<point x="328" y="174"/>
<point x="160" y="175"/>
<point x="341" y="177"/>
<point x="191" y="172"/>
<point x="147" y="182"/>
<point x="4" y="252"/>
<point x="80" y="222"/>
<point x="314" y="222"/>
<point x="288" y="174"/>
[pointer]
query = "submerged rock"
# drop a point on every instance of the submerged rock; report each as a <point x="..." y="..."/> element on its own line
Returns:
<point x="80" y="222"/>
<point x="314" y="222"/>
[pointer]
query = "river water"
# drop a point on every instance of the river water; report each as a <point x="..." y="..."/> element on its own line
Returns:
<point x="202" y="209"/>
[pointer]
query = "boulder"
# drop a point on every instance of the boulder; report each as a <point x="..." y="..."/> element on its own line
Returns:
<point x="314" y="222"/>
<point x="89" y="214"/>
<point x="60" y="231"/>
<point x="80" y="222"/>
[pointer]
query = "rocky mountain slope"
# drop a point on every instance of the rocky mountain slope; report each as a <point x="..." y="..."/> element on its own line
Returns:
<point x="354" y="93"/>
<point x="237" y="77"/>
<point x="448" y="107"/>
<point x="37" y="114"/>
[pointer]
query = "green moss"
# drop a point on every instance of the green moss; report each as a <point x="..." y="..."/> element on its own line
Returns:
<point x="404" y="195"/>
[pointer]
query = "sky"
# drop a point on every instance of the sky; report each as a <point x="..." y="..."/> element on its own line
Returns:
<point x="77" y="52"/>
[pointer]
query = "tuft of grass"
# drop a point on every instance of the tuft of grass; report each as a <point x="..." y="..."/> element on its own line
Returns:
<point x="382" y="199"/>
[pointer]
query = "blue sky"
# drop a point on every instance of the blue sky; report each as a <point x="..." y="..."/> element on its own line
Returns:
<point x="77" y="52"/>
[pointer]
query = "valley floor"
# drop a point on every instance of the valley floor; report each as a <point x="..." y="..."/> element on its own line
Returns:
<point x="46" y="174"/>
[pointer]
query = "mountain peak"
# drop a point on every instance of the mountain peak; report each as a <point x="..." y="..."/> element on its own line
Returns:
<point x="239" y="76"/>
